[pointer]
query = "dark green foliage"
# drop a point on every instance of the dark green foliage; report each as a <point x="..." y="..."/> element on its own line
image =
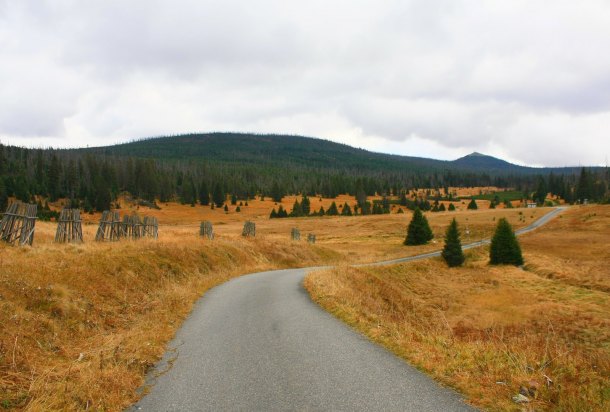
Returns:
<point x="218" y="196"/>
<point x="226" y="208"/>
<point x="321" y="212"/>
<point x="276" y="192"/>
<point x="3" y="196"/>
<point x="541" y="192"/>
<point x="281" y="212"/>
<point x="297" y="211"/>
<point x="273" y="214"/>
<point x="347" y="210"/>
<point x="472" y="205"/>
<point x="452" y="251"/>
<point x="258" y="165"/>
<point x="233" y="199"/>
<point x="305" y="206"/>
<point x="400" y="211"/>
<point x="505" y="249"/>
<point x="451" y="207"/>
<point x="418" y="232"/>
<point x="332" y="210"/>
<point x="238" y="209"/>
<point x="442" y="208"/>
<point x="204" y="194"/>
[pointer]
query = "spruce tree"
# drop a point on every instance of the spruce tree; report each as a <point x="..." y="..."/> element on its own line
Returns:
<point x="472" y="205"/>
<point x="305" y="206"/>
<point x="297" y="211"/>
<point x="321" y="212"/>
<point x="233" y="199"/>
<point x="347" y="211"/>
<point x="3" y="196"/>
<point x="418" y="232"/>
<point x="281" y="212"/>
<point x="451" y="207"/>
<point x="218" y="196"/>
<point x="442" y="208"/>
<point x="273" y="214"/>
<point x="452" y="251"/>
<point x="332" y="210"/>
<point x="204" y="194"/>
<point x="505" y="249"/>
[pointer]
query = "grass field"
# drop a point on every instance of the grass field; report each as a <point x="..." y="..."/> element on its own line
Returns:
<point x="83" y="323"/>
<point x="493" y="331"/>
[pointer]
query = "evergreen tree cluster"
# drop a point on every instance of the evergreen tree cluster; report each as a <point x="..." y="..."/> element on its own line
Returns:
<point x="181" y="169"/>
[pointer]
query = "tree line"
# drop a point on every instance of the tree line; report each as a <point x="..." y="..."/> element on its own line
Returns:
<point x="92" y="180"/>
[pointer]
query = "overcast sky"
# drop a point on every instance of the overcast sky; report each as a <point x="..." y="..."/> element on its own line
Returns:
<point x="528" y="81"/>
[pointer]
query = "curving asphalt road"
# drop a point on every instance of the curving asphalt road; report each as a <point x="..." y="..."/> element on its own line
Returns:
<point x="258" y="343"/>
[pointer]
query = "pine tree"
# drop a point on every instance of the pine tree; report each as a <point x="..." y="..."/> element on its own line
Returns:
<point x="276" y="192"/>
<point x="273" y="214"/>
<point x="297" y="211"/>
<point x="204" y="194"/>
<point x="505" y="248"/>
<point x="3" y="196"/>
<point x="305" y="206"/>
<point x="281" y="212"/>
<point x="346" y="211"/>
<point x="418" y="232"/>
<point x="451" y="207"/>
<point x="238" y="209"/>
<point x="452" y="251"/>
<point x="226" y="209"/>
<point x="321" y="212"/>
<point x="233" y="199"/>
<point x="472" y="205"/>
<point x="442" y="208"/>
<point x="332" y="210"/>
<point x="218" y="196"/>
<point x="541" y="191"/>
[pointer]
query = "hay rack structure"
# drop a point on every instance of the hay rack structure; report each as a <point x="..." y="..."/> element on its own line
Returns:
<point x="18" y="224"/>
<point x="249" y="229"/>
<point x="110" y="227"/>
<point x="69" y="227"/>
<point x="206" y="230"/>
<point x="295" y="234"/>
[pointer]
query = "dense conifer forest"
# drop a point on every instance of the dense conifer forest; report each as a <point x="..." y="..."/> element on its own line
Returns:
<point x="205" y="168"/>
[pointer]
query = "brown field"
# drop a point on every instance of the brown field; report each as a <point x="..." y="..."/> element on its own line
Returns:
<point x="81" y="324"/>
<point x="491" y="331"/>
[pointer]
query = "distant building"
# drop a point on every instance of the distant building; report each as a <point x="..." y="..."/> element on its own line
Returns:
<point x="531" y="205"/>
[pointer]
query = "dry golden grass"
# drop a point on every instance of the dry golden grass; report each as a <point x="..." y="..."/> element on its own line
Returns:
<point x="488" y="331"/>
<point x="82" y="324"/>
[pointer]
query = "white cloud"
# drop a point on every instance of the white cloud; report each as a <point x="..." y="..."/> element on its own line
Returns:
<point x="525" y="80"/>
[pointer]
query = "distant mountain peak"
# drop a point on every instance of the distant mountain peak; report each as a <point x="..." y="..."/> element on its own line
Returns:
<point x="478" y="160"/>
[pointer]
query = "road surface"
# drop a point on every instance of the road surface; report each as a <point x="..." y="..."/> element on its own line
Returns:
<point x="258" y="343"/>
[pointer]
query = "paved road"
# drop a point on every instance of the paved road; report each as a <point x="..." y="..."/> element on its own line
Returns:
<point x="258" y="343"/>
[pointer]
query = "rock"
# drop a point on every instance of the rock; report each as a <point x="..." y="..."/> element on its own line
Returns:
<point x="533" y="387"/>
<point x="520" y="399"/>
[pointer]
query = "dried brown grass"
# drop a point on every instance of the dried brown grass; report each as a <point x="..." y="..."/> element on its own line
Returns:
<point x="81" y="324"/>
<point x="488" y="331"/>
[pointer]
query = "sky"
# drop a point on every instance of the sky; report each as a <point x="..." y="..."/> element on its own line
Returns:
<point x="526" y="81"/>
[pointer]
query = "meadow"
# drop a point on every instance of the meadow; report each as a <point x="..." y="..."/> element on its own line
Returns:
<point x="82" y="324"/>
<point x="493" y="332"/>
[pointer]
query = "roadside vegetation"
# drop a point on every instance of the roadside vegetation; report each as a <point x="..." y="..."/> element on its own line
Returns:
<point x="496" y="332"/>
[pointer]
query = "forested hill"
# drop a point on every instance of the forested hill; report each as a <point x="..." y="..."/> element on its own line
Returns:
<point x="190" y="167"/>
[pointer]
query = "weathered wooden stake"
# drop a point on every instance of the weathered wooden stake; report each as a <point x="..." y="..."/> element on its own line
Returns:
<point x="150" y="227"/>
<point x="295" y="234"/>
<point x="249" y="229"/>
<point x="69" y="227"/>
<point x="110" y="227"/>
<point x="311" y="238"/>
<point x="206" y="230"/>
<point x="18" y="224"/>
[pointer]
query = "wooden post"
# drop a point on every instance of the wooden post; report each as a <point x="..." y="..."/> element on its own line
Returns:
<point x="295" y="234"/>
<point x="150" y="227"/>
<point x="249" y="229"/>
<point x="110" y="227"/>
<point x="311" y="238"/>
<point x="69" y="228"/>
<point x="18" y="224"/>
<point x="206" y="230"/>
